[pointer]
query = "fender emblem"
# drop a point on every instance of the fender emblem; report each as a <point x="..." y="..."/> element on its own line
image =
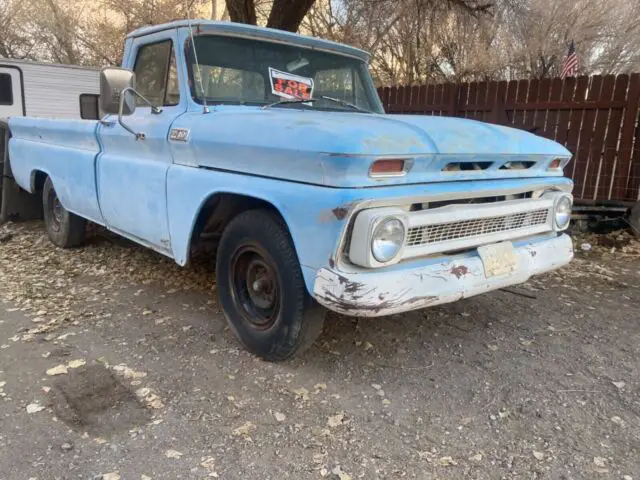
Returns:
<point x="179" y="134"/>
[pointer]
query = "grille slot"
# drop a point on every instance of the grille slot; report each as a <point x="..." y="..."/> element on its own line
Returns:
<point x="442" y="232"/>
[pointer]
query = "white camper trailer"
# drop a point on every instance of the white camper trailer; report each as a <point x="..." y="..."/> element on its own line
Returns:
<point x="39" y="90"/>
<point x="47" y="90"/>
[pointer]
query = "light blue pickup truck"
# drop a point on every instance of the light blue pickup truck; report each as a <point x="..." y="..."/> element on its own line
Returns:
<point x="274" y="148"/>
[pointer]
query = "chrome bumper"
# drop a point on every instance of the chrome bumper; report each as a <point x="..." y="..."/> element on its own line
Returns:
<point x="374" y="293"/>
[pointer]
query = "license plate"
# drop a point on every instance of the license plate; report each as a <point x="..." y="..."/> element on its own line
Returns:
<point x="498" y="259"/>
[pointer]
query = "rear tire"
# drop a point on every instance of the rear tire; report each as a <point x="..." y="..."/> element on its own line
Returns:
<point x="64" y="228"/>
<point x="261" y="288"/>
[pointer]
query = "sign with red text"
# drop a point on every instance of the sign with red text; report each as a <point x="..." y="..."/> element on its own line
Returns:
<point x="290" y="86"/>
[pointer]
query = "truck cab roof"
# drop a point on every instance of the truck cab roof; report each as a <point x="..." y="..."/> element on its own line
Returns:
<point x="252" y="31"/>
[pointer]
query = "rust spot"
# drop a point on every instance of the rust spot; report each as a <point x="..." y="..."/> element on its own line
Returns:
<point x="340" y="212"/>
<point x="533" y="253"/>
<point x="459" y="271"/>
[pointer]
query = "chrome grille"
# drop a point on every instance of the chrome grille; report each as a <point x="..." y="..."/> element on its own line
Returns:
<point x="441" y="232"/>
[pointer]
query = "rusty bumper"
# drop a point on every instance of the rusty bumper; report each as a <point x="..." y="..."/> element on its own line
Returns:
<point x="374" y="293"/>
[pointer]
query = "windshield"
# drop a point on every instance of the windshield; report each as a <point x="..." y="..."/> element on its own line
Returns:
<point x="253" y="72"/>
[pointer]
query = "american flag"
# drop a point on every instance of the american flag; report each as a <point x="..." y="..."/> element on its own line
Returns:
<point x="570" y="67"/>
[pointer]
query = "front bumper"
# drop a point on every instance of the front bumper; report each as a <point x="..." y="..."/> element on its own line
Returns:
<point x="374" y="293"/>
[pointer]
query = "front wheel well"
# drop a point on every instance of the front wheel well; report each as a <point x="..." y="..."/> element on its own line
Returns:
<point x="38" y="178"/>
<point x="214" y="216"/>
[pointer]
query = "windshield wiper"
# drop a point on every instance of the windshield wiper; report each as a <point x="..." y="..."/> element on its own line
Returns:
<point x="345" y="103"/>
<point x="289" y="100"/>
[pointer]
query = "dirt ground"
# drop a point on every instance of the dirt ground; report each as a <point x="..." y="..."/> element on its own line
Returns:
<point x="117" y="364"/>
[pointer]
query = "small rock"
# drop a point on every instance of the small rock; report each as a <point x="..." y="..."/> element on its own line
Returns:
<point x="34" y="408"/>
<point x="538" y="455"/>
<point x="57" y="370"/>
<point x="476" y="458"/>
<point x="281" y="417"/>
<point x="173" y="454"/>
<point x="244" y="430"/>
<point x="600" y="461"/>
<point x="447" y="461"/>
<point x="619" y="385"/>
<point x="336" y="420"/>
<point x="585" y="247"/>
<point x="617" y="420"/>
<point x="66" y="446"/>
<point x="76" y="363"/>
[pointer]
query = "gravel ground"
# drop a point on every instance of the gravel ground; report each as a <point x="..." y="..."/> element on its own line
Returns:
<point x="117" y="364"/>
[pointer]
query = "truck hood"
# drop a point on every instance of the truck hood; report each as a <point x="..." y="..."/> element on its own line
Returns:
<point x="336" y="148"/>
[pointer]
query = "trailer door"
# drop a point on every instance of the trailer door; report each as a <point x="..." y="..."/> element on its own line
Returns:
<point x="11" y="98"/>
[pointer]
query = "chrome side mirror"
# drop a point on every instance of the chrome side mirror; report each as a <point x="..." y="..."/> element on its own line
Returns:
<point x="113" y="83"/>
<point x="117" y="96"/>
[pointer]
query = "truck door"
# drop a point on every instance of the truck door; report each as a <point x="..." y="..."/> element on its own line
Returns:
<point x="131" y="174"/>
<point x="11" y="100"/>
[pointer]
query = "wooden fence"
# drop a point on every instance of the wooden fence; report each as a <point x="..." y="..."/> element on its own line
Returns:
<point x="596" y="118"/>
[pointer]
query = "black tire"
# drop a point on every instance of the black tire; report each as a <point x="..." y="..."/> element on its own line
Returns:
<point x="64" y="228"/>
<point x="261" y="288"/>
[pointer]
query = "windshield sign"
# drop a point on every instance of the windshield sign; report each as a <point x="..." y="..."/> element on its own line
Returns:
<point x="290" y="86"/>
<point x="254" y="72"/>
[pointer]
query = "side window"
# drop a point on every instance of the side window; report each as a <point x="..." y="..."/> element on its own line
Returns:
<point x="156" y="74"/>
<point x="6" y="89"/>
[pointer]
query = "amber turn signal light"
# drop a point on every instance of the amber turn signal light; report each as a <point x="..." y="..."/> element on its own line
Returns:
<point x="555" y="164"/>
<point x="387" y="168"/>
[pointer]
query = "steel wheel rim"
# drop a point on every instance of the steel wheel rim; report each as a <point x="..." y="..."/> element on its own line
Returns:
<point x="255" y="286"/>
<point x="57" y="211"/>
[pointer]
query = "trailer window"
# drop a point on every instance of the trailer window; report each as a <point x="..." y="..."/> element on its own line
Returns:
<point x="6" y="89"/>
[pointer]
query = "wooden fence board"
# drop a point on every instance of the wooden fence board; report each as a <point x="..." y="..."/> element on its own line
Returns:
<point x="593" y="169"/>
<point x="622" y="179"/>
<point x="582" y="154"/>
<point x="562" y="130"/>
<point x="609" y="160"/>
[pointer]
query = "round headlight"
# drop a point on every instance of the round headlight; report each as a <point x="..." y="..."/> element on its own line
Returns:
<point x="563" y="212"/>
<point x="387" y="239"/>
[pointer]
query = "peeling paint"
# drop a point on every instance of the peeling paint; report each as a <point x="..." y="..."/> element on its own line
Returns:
<point x="374" y="293"/>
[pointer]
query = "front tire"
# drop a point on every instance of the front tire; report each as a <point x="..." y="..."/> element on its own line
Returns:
<point x="262" y="290"/>
<point x="64" y="228"/>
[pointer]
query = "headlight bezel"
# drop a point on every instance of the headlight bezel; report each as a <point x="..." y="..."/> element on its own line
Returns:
<point x="361" y="235"/>
<point x="562" y="199"/>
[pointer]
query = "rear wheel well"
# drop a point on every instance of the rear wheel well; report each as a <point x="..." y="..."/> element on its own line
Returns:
<point x="214" y="216"/>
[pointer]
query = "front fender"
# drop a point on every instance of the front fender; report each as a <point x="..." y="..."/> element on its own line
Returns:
<point x="308" y="211"/>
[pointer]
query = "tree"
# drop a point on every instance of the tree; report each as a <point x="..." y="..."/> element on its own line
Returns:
<point x="283" y="15"/>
